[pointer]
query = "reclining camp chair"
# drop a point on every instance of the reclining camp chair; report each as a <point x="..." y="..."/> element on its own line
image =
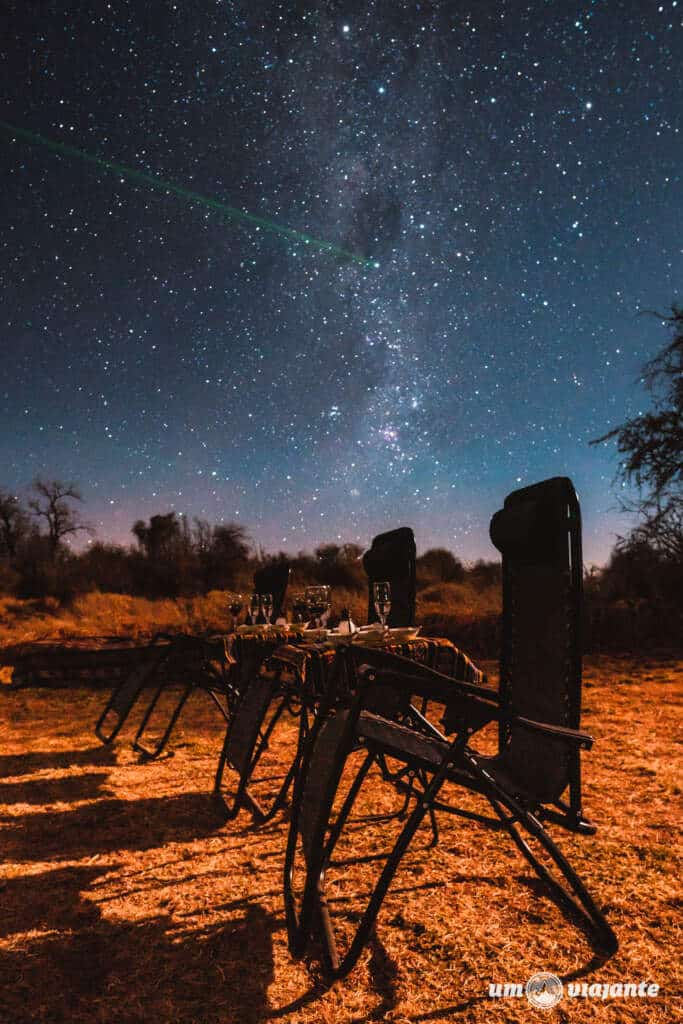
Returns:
<point x="271" y="579"/>
<point x="391" y="557"/>
<point x="534" y="777"/>
<point x="125" y="694"/>
<point x="276" y="693"/>
<point x="220" y="681"/>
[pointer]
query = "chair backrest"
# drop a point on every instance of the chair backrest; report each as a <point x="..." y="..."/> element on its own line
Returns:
<point x="538" y="532"/>
<point x="391" y="557"/>
<point x="273" y="579"/>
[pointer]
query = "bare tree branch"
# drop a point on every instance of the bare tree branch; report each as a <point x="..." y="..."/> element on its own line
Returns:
<point x="52" y="504"/>
<point x="652" y="446"/>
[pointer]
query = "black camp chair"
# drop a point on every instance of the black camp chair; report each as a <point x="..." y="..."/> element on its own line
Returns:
<point x="270" y="579"/>
<point x="275" y="694"/>
<point x="126" y="693"/>
<point x="535" y="776"/>
<point x="391" y="557"/>
<point x="220" y="681"/>
<point x="273" y="579"/>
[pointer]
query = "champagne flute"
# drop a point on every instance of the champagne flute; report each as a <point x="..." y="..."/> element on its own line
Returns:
<point x="381" y="595"/>
<point x="267" y="607"/>
<point x="235" y="607"/>
<point x="254" y="606"/>
<point x="316" y="602"/>
<point x="326" y="594"/>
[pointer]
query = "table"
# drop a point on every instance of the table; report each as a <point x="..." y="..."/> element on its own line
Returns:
<point x="312" y="662"/>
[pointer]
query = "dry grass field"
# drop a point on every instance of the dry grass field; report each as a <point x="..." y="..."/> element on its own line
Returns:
<point x="126" y="898"/>
<point x="102" y="614"/>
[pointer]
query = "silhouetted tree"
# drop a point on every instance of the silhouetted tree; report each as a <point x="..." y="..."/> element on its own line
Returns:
<point x="228" y="550"/>
<point x="158" y="538"/>
<point x="652" y="446"/>
<point x="485" y="574"/>
<point x="53" y="505"/>
<point x="106" y="567"/>
<point x="338" y="565"/>
<point x="442" y="565"/>
<point x="14" y="524"/>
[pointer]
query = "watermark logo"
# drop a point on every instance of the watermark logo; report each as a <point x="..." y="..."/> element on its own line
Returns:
<point x="544" y="990"/>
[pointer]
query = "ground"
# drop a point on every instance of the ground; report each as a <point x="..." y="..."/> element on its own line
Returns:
<point x="126" y="897"/>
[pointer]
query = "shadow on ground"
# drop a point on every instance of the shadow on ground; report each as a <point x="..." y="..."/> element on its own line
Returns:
<point x="110" y="825"/>
<point x="51" y="791"/>
<point x="36" y="761"/>
<point x="130" y="972"/>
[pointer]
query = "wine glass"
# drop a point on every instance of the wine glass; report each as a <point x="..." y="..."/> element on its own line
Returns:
<point x="267" y="607"/>
<point x="299" y="606"/>
<point x="254" y="606"/>
<point x="381" y="595"/>
<point x="316" y="598"/>
<point x="235" y="605"/>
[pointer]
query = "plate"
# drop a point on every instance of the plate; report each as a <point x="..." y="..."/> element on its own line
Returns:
<point x="333" y="637"/>
<point x="314" y="634"/>
<point x="371" y="638"/>
<point x="404" y="632"/>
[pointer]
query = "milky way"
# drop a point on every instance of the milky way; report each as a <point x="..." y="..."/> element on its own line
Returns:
<point x="506" y="176"/>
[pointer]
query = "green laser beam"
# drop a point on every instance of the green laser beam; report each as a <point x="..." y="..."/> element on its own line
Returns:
<point x="194" y="197"/>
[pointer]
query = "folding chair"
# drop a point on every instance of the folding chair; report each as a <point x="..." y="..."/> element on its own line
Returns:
<point x="537" y="710"/>
<point x="391" y="557"/>
<point x="126" y="693"/>
<point x="277" y="690"/>
<point x="221" y="687"/>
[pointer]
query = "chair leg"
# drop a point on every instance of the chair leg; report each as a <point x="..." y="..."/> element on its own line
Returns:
<point x="159" y="746"/>
<point x="125" y="695"/>
<point x="281" y="798"/>
<point x="394" y="779"/>
<point x="345" y="809"/>
<point x="215" y="696"/>
<point x="576" y="898"/>
<point x="432" y="816"/>
<point x="337" y="967"/>
<point x="261" y="815"/>
<point x="258" y="744"/>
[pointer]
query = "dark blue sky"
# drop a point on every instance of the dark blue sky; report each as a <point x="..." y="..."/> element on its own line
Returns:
<point x="513" y="170"/>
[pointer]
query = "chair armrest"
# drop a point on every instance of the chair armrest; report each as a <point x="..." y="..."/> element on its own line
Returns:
<point x="467" y="705"/>
<point x="583" y="740"/>
<point x="436" y="687"/>
<point x="387" y="690"/>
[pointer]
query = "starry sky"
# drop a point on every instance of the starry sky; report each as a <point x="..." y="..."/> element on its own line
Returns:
<point x="506" y="178"/>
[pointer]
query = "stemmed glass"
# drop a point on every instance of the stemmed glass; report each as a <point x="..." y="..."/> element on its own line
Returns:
<point x="235" y="607"/>
<point x="324" y="601"/>
<point x="381" y="595"/>
<point x="254" y="606"/>
<point x="299" y="607"/>
<point x="267" y="607"/>
<point x="318" y="599"/>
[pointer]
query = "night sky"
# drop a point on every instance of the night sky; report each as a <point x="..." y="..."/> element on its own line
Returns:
<point x="507" y="177"/>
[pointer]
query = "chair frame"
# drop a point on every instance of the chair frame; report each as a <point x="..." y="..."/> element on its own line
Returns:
<point x="125" y="694"/>
<point x="248" y="734"/>
<point x="224" y="693"/>
<point x="475" y="707"/>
